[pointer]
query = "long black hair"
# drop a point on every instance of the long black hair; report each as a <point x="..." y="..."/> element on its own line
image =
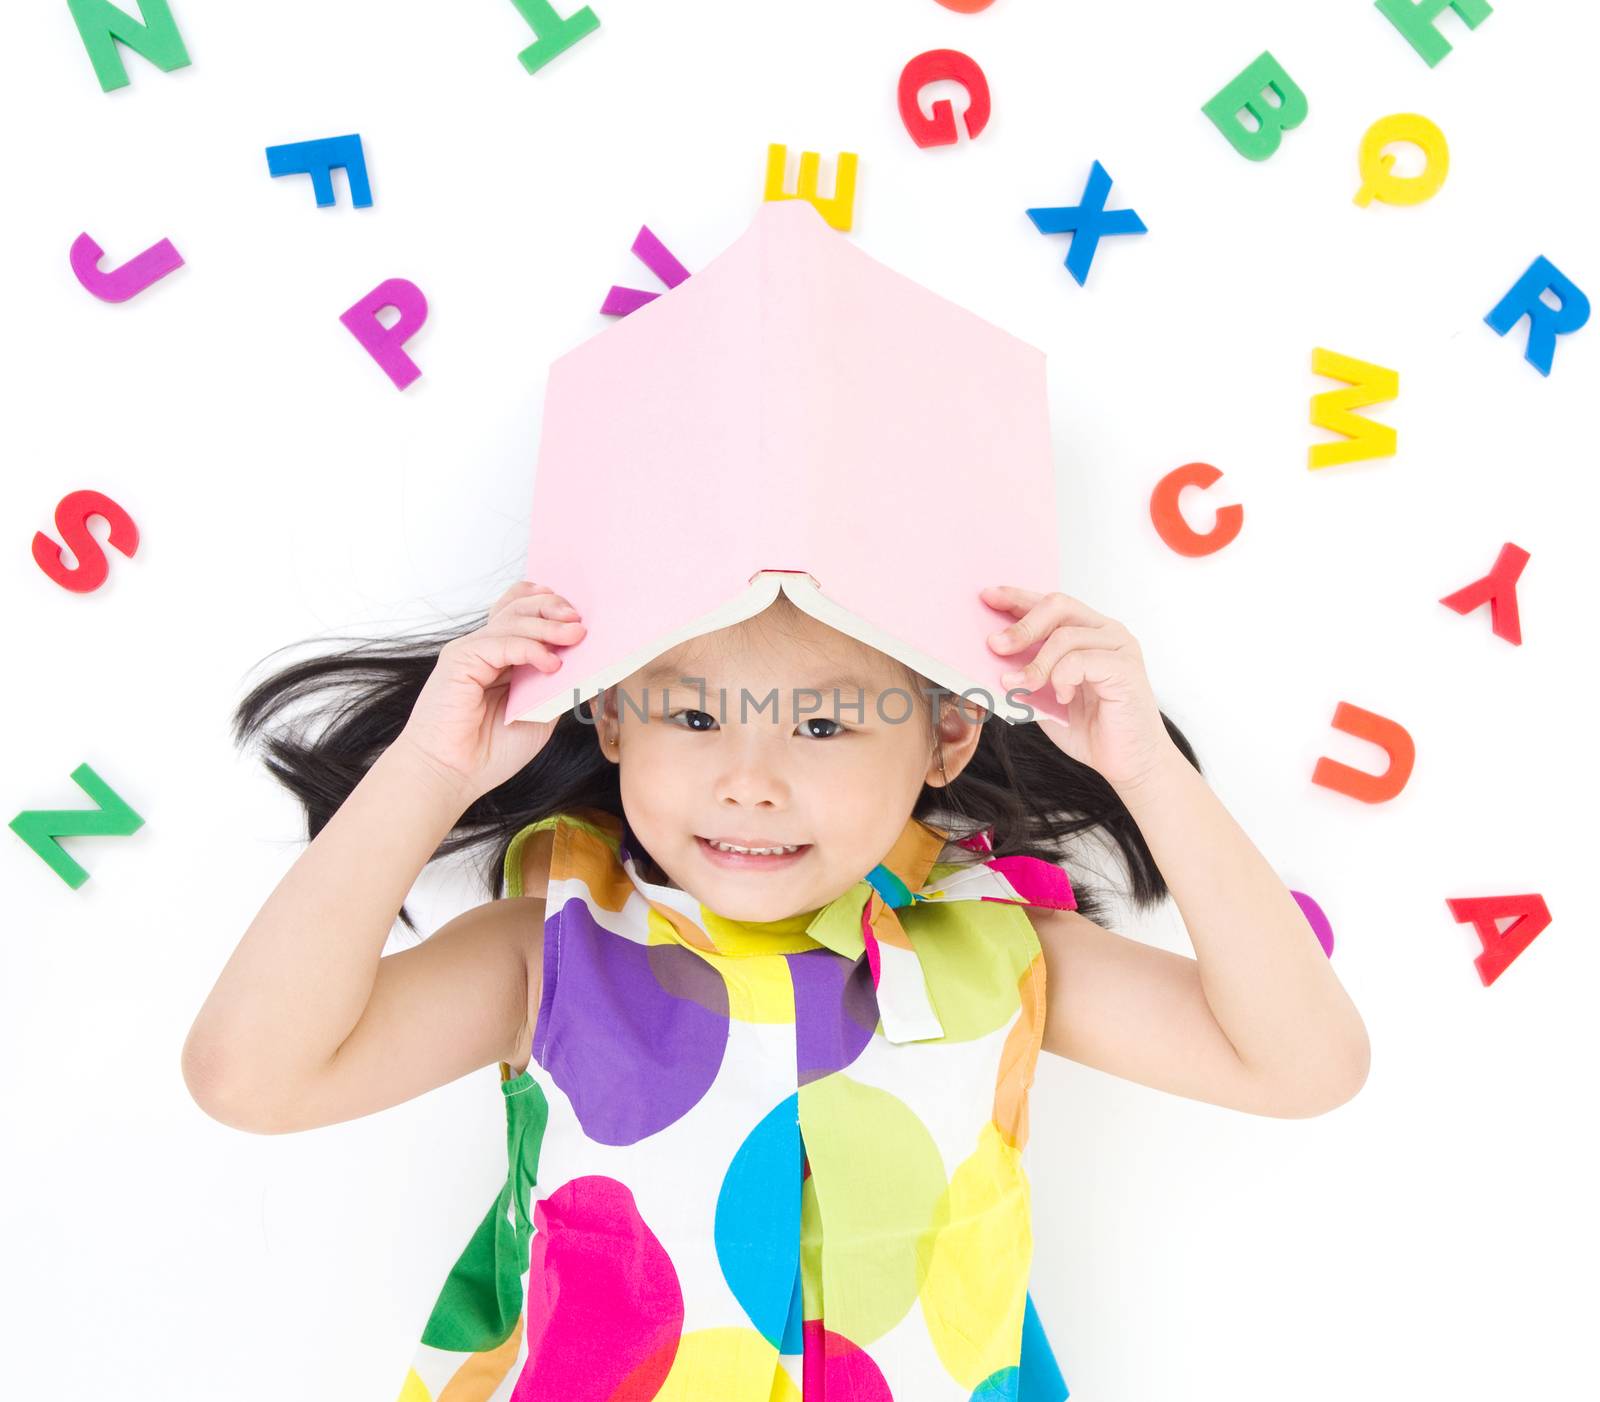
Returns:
<point x="1037" y="800"/>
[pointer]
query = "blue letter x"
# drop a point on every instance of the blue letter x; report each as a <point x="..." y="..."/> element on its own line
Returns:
<point x="1087" y="222"/>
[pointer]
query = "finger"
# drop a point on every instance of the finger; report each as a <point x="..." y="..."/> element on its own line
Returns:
<point x="483" y="655"/>
<point x="1038" y="620"/>
<point x="1097" y="665"/>
<point x="521" y="589"/>
<point x="547" y="602"/>
<point x="1013" y="600"/>
<point x="1009" y="597"/>
<point x="1060" y="644"/>
<point x="518" y="622"/>
<point x="529" y="609"/>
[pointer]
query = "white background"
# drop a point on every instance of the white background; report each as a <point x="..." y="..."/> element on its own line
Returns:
<point x="1435" y="1237"/>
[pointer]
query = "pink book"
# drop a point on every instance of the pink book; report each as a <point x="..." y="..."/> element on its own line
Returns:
<point x="794" y="416"/>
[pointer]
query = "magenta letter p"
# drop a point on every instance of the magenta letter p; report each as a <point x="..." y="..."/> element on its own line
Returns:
<point x="386" y="344"/>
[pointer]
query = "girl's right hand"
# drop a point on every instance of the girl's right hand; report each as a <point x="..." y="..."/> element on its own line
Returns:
<point x="457" y="724"/>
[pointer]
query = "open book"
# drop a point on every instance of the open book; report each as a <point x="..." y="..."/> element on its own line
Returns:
<point x="794" y="416"/>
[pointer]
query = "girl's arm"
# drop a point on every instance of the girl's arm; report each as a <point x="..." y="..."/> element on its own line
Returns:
<point x="307" y="1020"/>
<point x="262" y="1052"/>
<point x="1259" y="1022"/>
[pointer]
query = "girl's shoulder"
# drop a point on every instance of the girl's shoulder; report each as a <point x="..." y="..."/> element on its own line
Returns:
<point x="531" y="851"/>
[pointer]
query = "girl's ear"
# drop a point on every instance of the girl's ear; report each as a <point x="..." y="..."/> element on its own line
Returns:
<point x="957" y="732"/>
<point x="605" y="722"/>
<point x="960" y="720"/>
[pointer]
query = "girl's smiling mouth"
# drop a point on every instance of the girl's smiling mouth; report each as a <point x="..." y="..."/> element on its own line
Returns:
<point x="763" y="859"/>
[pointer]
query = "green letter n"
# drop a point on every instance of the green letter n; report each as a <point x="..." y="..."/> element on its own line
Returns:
<point x="103" y="26"/>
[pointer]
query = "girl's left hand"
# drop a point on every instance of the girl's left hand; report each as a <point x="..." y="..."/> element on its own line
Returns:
<point x="1095" y="666"/>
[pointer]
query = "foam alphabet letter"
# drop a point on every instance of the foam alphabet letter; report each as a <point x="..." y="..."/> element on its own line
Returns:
<point x="1545" y="322"/>
<point x="1500" y="947"/>
<point x="386" y="344"/>
<point x="1389" y="735"/>
<point x="318" y="159"/>
<point x="40" y="828"/>
<point x="1317" y="918"/>
<point x="1247" y="94"/>
<point x="1365" y="438"/>
<point x="1415" y="19"/>
<point x="1176" y="531"/>
<point x="73" y="514"/>
<point x="1087" y="222"/>
<point x="119" y="284"/>
<point x="939" y="129"/>
<point x="1498" y="589"/>
<point x="1377" y="165"/>
<point x="838" y="208"/>
<point x="553" y="35"/>
<point x="154" y="36"/>
<point x="654" y="255"/>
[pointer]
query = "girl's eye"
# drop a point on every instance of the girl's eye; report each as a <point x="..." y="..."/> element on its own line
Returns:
<point x="673" y="717"/>
<point x="838" y="729"/>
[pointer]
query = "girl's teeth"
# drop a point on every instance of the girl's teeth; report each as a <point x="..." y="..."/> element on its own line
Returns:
<point x="754" y="851"/>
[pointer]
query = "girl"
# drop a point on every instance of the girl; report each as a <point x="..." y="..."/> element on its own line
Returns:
<point x="765" y="1028"/>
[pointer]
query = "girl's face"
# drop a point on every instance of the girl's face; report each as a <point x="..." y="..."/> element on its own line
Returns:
<point x="720" y="738"/>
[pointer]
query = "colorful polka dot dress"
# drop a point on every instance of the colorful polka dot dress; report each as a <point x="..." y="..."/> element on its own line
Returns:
<point x="764" y="1162"/>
